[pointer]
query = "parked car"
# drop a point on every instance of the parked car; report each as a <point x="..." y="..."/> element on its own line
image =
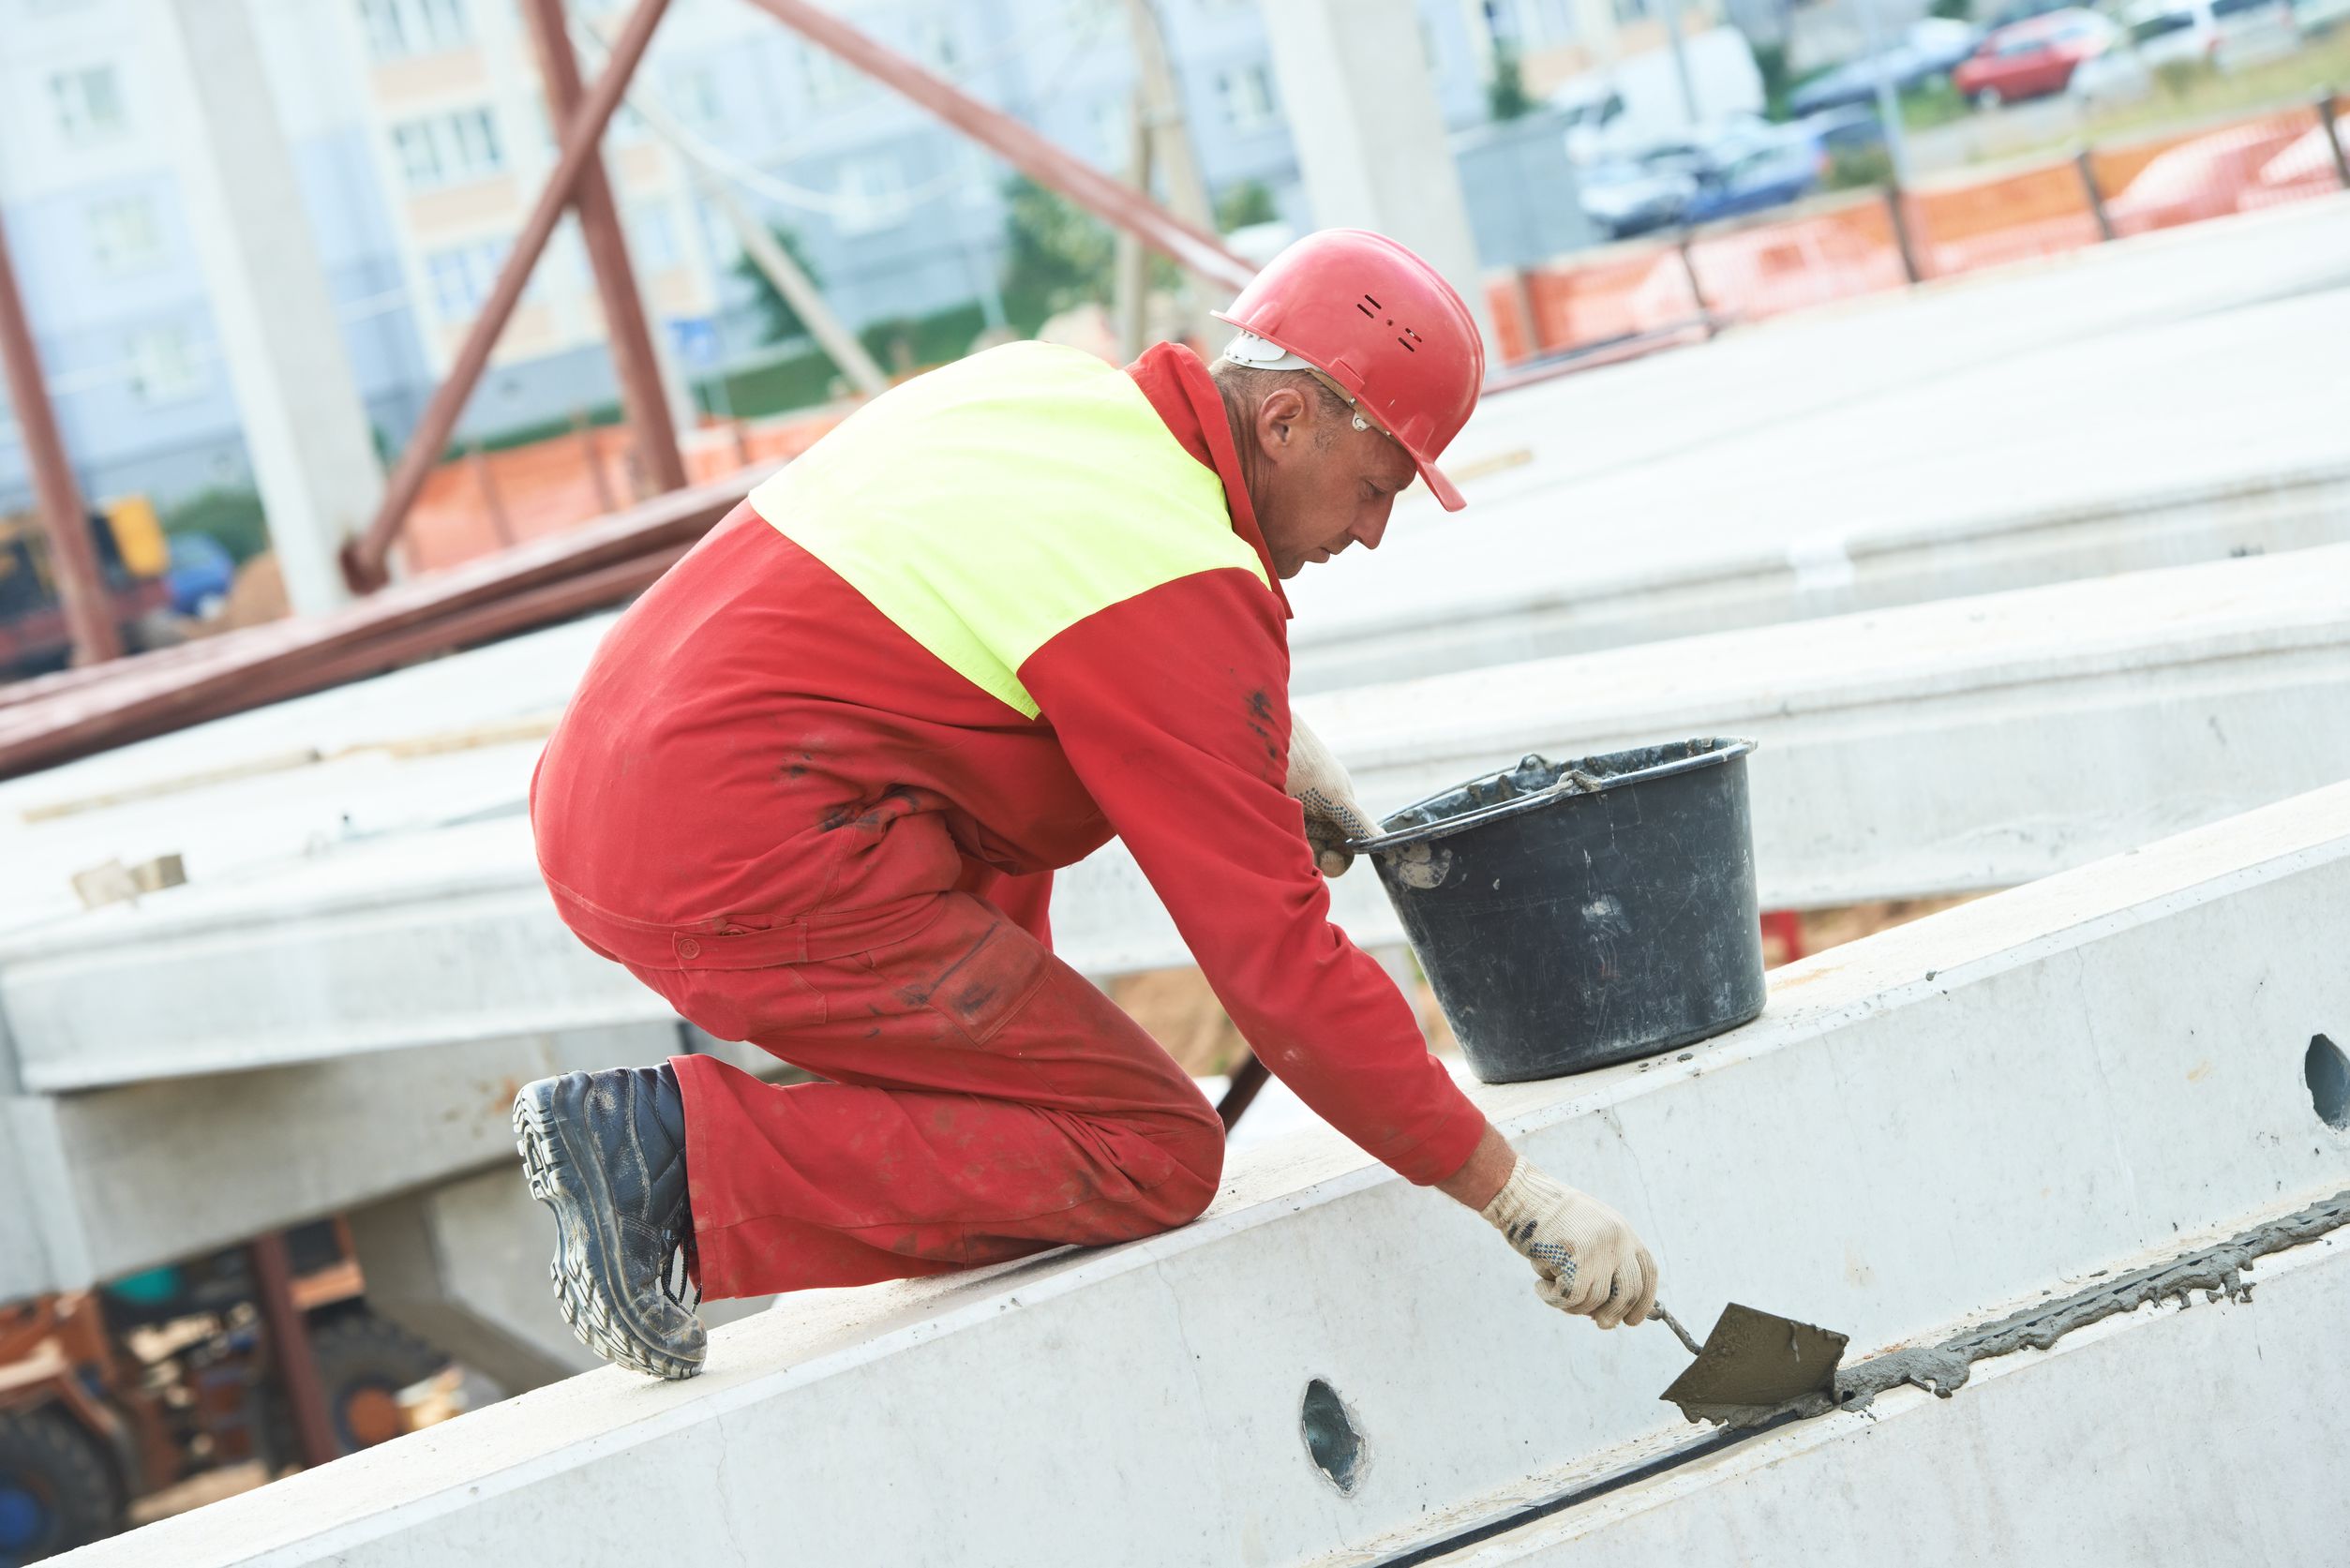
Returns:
<point x="201" y="573"/>
<point x="2223" y="34"/>
<point x="2317" y="17"/>
<point x="1932" y="48"/>
<point x="2034" y="59"/>
<point x="1627" y="197"/>
<point x="1751" y="173"/>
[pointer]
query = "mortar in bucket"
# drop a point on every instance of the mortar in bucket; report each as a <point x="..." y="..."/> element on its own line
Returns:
<point x="1572" y="915"/>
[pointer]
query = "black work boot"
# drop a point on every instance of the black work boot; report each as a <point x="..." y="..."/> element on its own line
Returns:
<point x="606" y="1152"/>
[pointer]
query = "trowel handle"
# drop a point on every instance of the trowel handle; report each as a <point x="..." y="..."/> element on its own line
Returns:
<point x="1660" y="1310"/>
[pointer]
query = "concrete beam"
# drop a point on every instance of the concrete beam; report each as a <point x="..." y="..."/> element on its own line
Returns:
<point x="2150" y="404"/>
<point x="1355" y="77"/>
<point x="306" y="425"/>
<point x="2128" y="1036"/>
<point x="1940" y="748"/>
<point x="147" y="1172"/>
<point x="2207" y="1433"/>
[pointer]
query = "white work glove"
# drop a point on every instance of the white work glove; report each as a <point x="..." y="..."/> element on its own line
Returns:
<point x="1589" y="1260"/>
<point x="1319" y="783"/>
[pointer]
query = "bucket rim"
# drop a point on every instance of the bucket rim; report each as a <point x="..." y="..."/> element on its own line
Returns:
<point x="1720" y="749"/>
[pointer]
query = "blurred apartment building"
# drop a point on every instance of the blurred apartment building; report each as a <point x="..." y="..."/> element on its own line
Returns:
<point x="420" y="136"/>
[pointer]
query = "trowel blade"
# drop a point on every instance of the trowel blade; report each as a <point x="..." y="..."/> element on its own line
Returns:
<point x="1756" y="1359"/>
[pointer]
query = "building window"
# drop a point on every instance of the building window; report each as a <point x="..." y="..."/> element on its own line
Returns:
<point x="652" y="236"/>
<point x="163" y="365"/>
<point x="693" y="94"/>
<point x="89" y="104"/>
<point x="829" y="82"/>
<point x="1113" y="128"/>
<point x="1246" y="95"/>
<point x="462" y="277"/>
<point x="124" y="236"/>
<point x="448" y="149"/>
<point x="399" y="29"/>
<point x="872" y="191"/>
<point x="935" y="45"/>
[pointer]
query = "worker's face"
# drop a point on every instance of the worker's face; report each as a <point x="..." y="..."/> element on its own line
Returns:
<point x="1319" y="484"/>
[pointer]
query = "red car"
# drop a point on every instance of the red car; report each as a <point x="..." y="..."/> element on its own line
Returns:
<point x="2032" y="59"/>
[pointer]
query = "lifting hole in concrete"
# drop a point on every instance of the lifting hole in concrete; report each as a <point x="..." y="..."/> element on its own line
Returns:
<point x="2327" y="1072"/>
<point x="1332" y="1441"/>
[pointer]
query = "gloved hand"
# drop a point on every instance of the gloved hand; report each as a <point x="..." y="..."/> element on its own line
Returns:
<point x="1318" y="782"/>
<point x="1589" y="1260"/>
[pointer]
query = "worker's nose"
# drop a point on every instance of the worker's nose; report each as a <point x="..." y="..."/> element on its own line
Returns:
<point x="1371" y="530"/>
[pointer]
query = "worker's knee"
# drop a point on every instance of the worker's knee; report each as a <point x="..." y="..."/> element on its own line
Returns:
<point x="1193" y="1143"/>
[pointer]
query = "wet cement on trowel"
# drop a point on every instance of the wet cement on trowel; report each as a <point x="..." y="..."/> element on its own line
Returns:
<point x="1943" y="1370"/>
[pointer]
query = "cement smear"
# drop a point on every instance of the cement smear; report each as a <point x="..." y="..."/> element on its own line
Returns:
<point x="1943" y="1370"/>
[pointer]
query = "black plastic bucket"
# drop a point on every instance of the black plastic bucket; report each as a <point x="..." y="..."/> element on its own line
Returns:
<point x="1571" y="915"/>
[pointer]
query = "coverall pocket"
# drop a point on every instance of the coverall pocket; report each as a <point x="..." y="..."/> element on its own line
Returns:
<point x="974" y="966"/>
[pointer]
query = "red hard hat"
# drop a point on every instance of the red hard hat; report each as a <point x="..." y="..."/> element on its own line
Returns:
<point x="1379" y="322"/>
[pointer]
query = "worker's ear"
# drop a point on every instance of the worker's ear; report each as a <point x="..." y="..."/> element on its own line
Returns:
<point x="1280" y="422"/>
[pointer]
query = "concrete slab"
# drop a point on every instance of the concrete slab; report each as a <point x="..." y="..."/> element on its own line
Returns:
<point x="2179" y="1433"/>
<point x="2128" y="1036"/>
<point x="2148" y="404"/>
<point x="1934" y="748"/>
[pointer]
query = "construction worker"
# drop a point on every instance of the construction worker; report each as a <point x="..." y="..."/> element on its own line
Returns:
<point x="813" y="787"/>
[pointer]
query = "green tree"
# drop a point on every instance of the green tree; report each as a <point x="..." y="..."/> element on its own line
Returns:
<point x="234" y="518"/>
<point x="1505" y="96"/>
<point x="1244" y="202"/>
<point x="1058" y="255"/>
<point x="778" y="320"/>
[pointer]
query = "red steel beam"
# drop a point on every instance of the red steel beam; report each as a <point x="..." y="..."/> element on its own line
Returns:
<point x="364" y="556"/>
<point x="642" y="396"/>
<point x="1034" y="155"/>
<point x="536" y="583"/>
<point x="81" y="586"/>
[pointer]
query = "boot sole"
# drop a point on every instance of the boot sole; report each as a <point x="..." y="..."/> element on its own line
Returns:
<point x="594" y="1317"/>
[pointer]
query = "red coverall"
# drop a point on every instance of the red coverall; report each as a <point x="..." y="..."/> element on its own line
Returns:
<point x="805" y="831"/>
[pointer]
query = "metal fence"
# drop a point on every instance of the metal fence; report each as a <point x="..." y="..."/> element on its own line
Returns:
<point x="1633" y="296"/>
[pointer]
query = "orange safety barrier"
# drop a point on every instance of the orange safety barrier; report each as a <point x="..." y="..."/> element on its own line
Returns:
<point x="485" y="501"/>
<point x="1836" y="248"/>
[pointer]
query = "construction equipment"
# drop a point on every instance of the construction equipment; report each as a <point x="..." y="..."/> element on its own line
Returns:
<point x="107" y="1396"/>
<point x="133" y="558"/>
<point x="1753" y="1365"/>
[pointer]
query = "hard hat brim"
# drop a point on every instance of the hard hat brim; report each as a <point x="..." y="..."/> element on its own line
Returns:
<point x="1447" y="494"/>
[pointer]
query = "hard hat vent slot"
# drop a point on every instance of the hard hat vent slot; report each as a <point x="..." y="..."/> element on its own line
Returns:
<point x="1411" y="342"/>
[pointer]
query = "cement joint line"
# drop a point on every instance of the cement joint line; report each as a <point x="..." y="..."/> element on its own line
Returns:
<point x="1940" y="1369"/>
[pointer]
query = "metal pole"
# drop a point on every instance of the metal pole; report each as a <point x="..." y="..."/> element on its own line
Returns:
<point x="1130" y="292"/>
<point x="2096" y="197"/>
<point x="1898" y="208"/>
<point x="642" y="396"/>
<point x="2328" y="116"/>
<point x="363" y="557"/>
<point x="799" y="289"/>
<point x="487" y="485"/>
<point x="290" y="1346"/>
<point x="1248" y="1077"/>
<point x="1171" y="153"/>
<point x="1888" y="101"/>
<point x="81" y="587"/>
<point x="1050" y="166"/>
<point x="1681" y="60"/>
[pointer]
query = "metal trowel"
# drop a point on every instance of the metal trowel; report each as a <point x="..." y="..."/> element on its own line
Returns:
<point x="1753" y="1364"/>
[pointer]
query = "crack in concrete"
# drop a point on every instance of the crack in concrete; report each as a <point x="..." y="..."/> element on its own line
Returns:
<point x="1943" y="1370"/>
